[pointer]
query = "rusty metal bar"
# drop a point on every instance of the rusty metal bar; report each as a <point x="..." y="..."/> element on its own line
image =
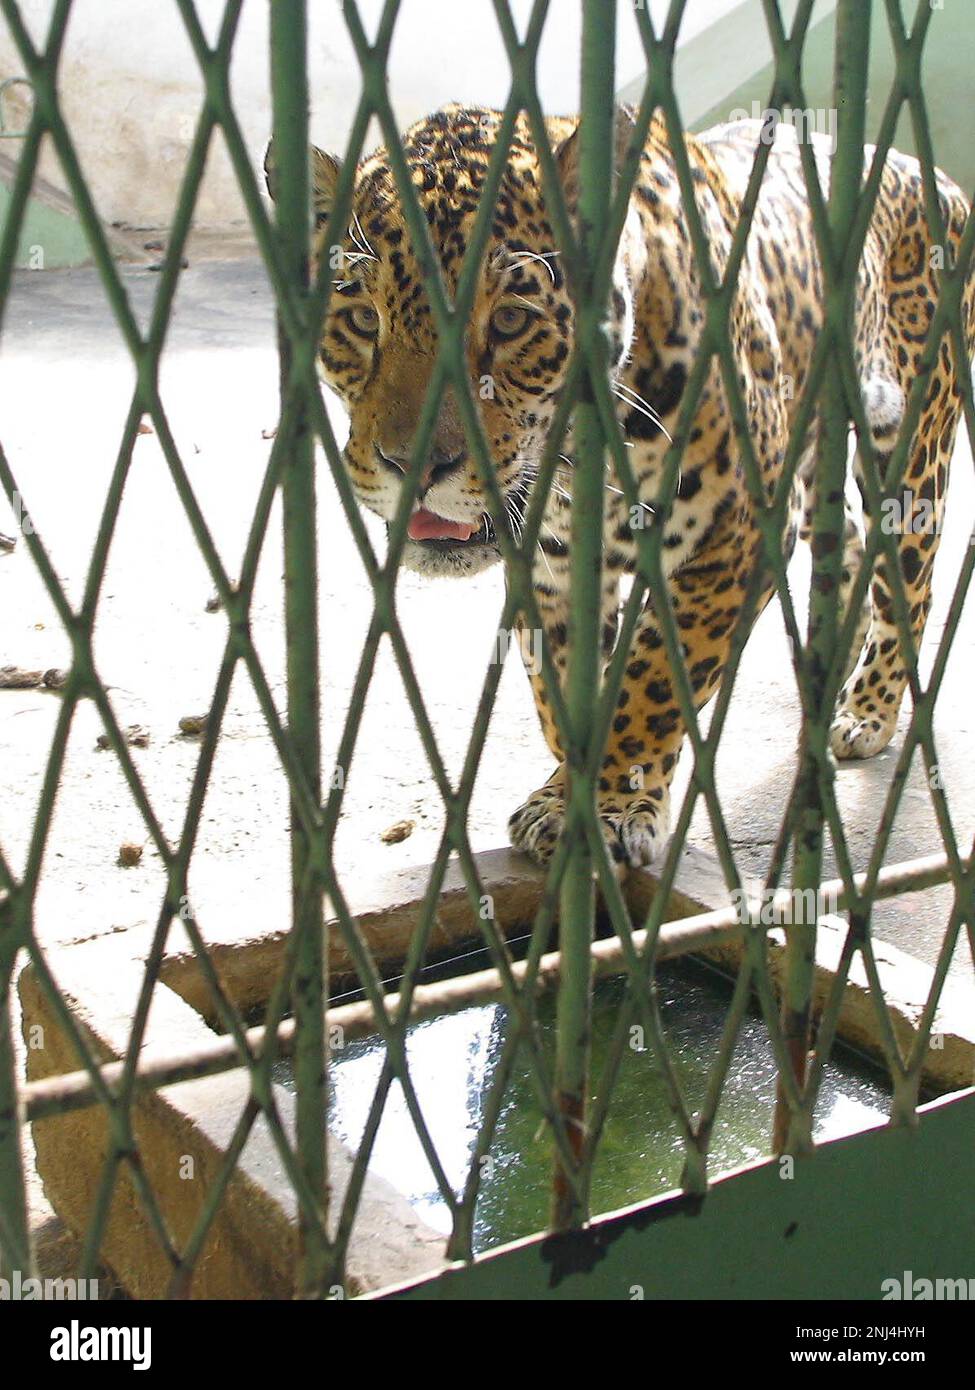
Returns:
<point x="700" y="932"/>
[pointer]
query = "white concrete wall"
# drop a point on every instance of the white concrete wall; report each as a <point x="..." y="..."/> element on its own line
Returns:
<point x="131" y="90"/>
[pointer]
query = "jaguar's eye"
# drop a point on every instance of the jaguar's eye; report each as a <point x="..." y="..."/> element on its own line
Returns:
<point x="510" y="320"/>
<point x="363" y="319"/>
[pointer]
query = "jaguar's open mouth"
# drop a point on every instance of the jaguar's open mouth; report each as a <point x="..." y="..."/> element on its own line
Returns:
<point x="436" y="546"/>
<point x="435" y="532"/>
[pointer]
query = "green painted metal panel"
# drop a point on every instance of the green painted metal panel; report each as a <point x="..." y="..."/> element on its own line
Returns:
<point x="859" y="1211"/>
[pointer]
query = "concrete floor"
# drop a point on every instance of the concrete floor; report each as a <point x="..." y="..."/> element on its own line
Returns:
<point x="66" y="384"/>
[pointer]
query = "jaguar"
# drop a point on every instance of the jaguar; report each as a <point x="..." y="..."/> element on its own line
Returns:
<point x="380" y="341"/>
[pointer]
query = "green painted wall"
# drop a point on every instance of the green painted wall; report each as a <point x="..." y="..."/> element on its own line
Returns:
<point x="49" y="237"/>
<point x="949" y="57"/>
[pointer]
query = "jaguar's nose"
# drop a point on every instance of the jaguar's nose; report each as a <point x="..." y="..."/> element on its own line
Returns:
<point x="439" y="465"/>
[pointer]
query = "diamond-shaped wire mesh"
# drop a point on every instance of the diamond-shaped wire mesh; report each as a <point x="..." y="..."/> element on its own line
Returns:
<point x="720" y="241"/>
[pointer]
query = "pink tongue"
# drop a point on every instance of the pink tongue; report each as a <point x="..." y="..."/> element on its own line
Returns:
<point x="427" y="526"/>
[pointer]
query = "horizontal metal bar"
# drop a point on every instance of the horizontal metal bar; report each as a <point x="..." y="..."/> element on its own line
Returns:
<point x="74" y="1090"/>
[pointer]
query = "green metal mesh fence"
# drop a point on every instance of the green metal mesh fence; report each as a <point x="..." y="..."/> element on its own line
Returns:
<point x="574" y="1103"/>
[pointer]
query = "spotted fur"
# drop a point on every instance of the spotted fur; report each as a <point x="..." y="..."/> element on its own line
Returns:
<point x="378" y="349"/>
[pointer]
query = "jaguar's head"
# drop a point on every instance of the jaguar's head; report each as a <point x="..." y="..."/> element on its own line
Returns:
<point x="380" y="340"/>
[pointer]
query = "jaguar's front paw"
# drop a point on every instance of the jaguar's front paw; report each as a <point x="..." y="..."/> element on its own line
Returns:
<point x="634" y="829"/>
<point x="536" y="826"/>
<point x="852" y="735"/>
<point x="643" y="826"/>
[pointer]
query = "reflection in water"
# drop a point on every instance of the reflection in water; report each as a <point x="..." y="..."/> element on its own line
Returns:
<point x="453" y="1061"/>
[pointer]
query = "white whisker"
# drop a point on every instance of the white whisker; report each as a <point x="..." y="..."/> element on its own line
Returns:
<point x="619" y="386"/>
<point x="530" y="469"/>
<point x="524" y="257"/>
<point x="359" y="237"/>
<point x="547" y="565"/>
<point x="516" y="518"/>
<point x="637" y="403"/>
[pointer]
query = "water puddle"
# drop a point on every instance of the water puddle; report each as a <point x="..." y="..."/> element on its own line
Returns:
<point x="453" y="1061"/>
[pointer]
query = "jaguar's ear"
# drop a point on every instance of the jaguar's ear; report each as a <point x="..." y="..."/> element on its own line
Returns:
<point x="567" y="154"/>
<point x="325" y="170"/>
<point x="324" y="179"/>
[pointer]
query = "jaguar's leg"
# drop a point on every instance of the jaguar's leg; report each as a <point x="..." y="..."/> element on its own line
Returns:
<point x="530" y="646"/>
<point x="632" y="792"/>
<point x="869" y="703"/>
<point x="853" y="542"/>
<point x="553" y="606"/>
